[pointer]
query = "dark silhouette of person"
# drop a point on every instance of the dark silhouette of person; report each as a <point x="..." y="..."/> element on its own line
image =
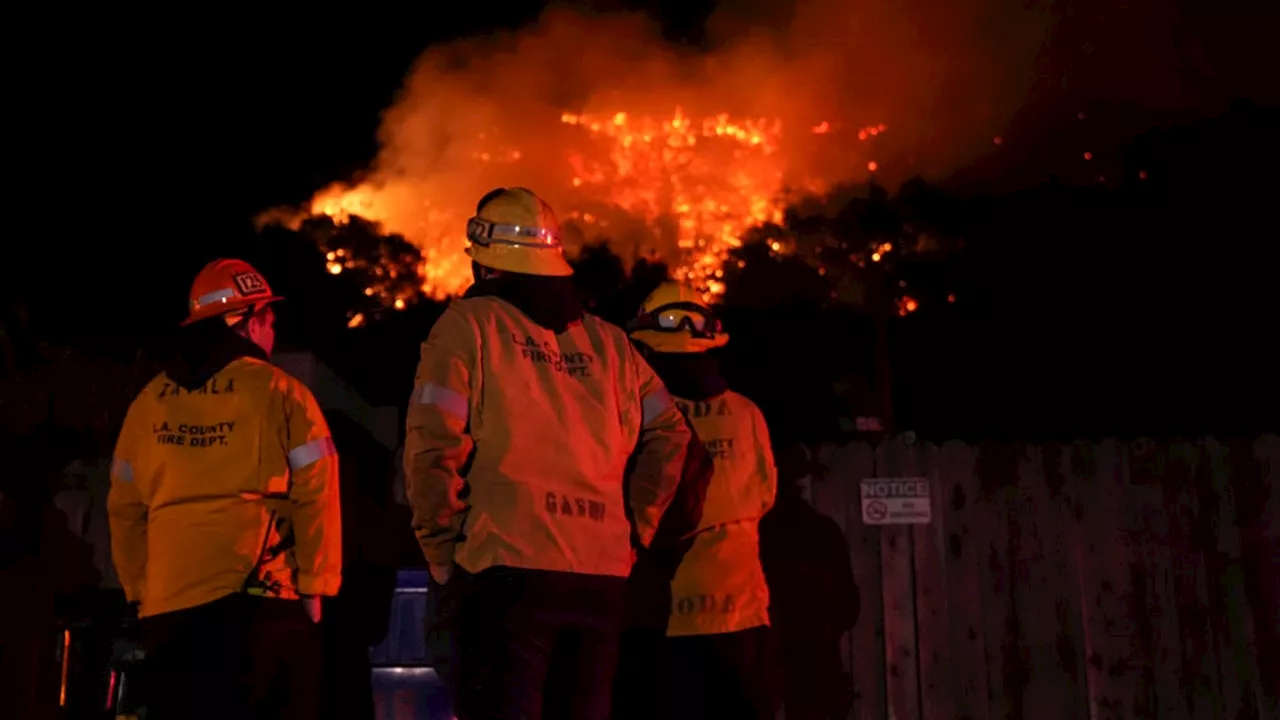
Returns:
<point x="814" y="600"/>
<point x="48" y="577"/>
<point x="359" y="615"/>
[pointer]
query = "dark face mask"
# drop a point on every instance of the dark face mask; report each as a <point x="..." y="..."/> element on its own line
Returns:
<point x="551" y="302"/>
<point x="690" y="376"/>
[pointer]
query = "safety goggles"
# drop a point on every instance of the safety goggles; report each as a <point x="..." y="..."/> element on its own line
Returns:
<point x="485" y="233"/>
<point x="687" y="317"/>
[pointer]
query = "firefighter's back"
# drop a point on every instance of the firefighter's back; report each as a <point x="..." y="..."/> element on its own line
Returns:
<point x="210" y="463"/>
<point x="554" y="421"/>
<point x="720" y="587"/>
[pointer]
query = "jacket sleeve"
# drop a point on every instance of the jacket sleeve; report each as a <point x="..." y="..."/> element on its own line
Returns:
<point x="767" y="467"/>
<point x="438" y="436"/>
<point x="683" y="516"/>
<point x="660" y="453"/>
<point x="313" y="494"/>
<point x="127" y="512"/>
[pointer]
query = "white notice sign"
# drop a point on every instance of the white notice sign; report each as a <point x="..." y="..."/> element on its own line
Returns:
<point x="896" y="501"/>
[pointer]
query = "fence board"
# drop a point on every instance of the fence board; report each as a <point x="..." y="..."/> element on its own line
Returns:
<point x="1066" y="489"/>
<point x="957" y="503"/>
<point x="897" y="569"/>
<point x="1044" y="596"/>
<point x="1263" y="533"/>
<point x="1198" y="679"/>
<point x="1237" y="659"/>
<point x="933" y="632"/>
<point x="1156" y="613"/>
<point x="1103" y="557"/>
<point x="996" y="467"/>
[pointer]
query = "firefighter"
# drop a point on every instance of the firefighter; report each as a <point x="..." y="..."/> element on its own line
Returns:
<point x="224" y="514"/>
<point x="539" y="443"/>
<point x="718" y="631"/>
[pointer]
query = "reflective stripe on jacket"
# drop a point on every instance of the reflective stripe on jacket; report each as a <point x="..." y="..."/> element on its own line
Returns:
<point x="719" y="586"/>
<point x="232" y="486"/>
<point x="518" y="441"/>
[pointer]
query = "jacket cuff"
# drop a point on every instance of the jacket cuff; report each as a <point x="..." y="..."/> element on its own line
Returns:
<point x="327" y="585"/>
<point x="132" y="592"/>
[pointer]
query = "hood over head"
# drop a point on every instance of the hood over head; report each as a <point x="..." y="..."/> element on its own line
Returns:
<point x="550" y="301"/>
<point x="200" y="350"/>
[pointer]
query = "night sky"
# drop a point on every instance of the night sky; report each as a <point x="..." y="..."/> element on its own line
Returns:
<point x="147" y="139"/>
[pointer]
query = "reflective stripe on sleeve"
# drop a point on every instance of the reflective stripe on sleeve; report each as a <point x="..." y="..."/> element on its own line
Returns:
<point x="447" y="400"/>
<point x="122" y="469"/>
<point x="310" y="453"/>
<point x="654" y="404"/>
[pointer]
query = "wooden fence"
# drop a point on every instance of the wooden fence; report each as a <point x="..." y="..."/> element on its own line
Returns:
<point x="1092" y="580"/>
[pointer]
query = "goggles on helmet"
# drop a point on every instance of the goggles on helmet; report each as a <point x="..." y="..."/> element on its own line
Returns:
<point x="688" y="317"/>
<point x="485" y="233"/>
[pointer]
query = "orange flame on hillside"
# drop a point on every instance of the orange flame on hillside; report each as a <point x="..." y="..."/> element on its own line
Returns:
<point x="690" y="187"/>
<point x="666" y="152"/>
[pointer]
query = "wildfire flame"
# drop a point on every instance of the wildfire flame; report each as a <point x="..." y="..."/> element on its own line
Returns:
<point x="694" y="185"/>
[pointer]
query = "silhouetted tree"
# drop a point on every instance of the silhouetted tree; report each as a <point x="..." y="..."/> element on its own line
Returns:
<point x="849" y="253"/>
<point x="384" y="267"/>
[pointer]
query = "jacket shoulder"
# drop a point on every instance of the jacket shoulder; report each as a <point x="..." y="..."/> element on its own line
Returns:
<point x="475" y="306"/>
<point x="741" y="401"/>
<point x="275" y="378"/>
<point x="606" y="329"/>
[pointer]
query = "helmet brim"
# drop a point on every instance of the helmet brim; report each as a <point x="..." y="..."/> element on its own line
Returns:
<point x="529" y="261"/>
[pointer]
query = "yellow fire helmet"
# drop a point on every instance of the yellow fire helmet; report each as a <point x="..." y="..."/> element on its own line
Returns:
<point x="674" y="319"/>
<point x="516" y="231"/>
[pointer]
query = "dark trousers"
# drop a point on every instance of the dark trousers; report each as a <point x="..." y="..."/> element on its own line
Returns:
<point x="813" y="683"/>
<point x="535" y="643"/>
<point x="641" y="690"/>
<point x="239" y="656"/>
<point x="721" y="676"/>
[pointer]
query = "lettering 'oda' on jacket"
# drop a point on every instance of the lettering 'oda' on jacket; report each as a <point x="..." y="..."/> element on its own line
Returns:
<point x="228" y="487"/>
<point x="720" y="585"/>
<point x="518" y="441"/>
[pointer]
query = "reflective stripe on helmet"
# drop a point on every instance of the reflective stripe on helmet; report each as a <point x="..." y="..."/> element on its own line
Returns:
<point x="484" y="233"/>
<point x="222" y="295"/>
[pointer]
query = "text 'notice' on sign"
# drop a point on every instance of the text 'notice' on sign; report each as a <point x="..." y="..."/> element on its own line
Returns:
<point x="896" y="501"/>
